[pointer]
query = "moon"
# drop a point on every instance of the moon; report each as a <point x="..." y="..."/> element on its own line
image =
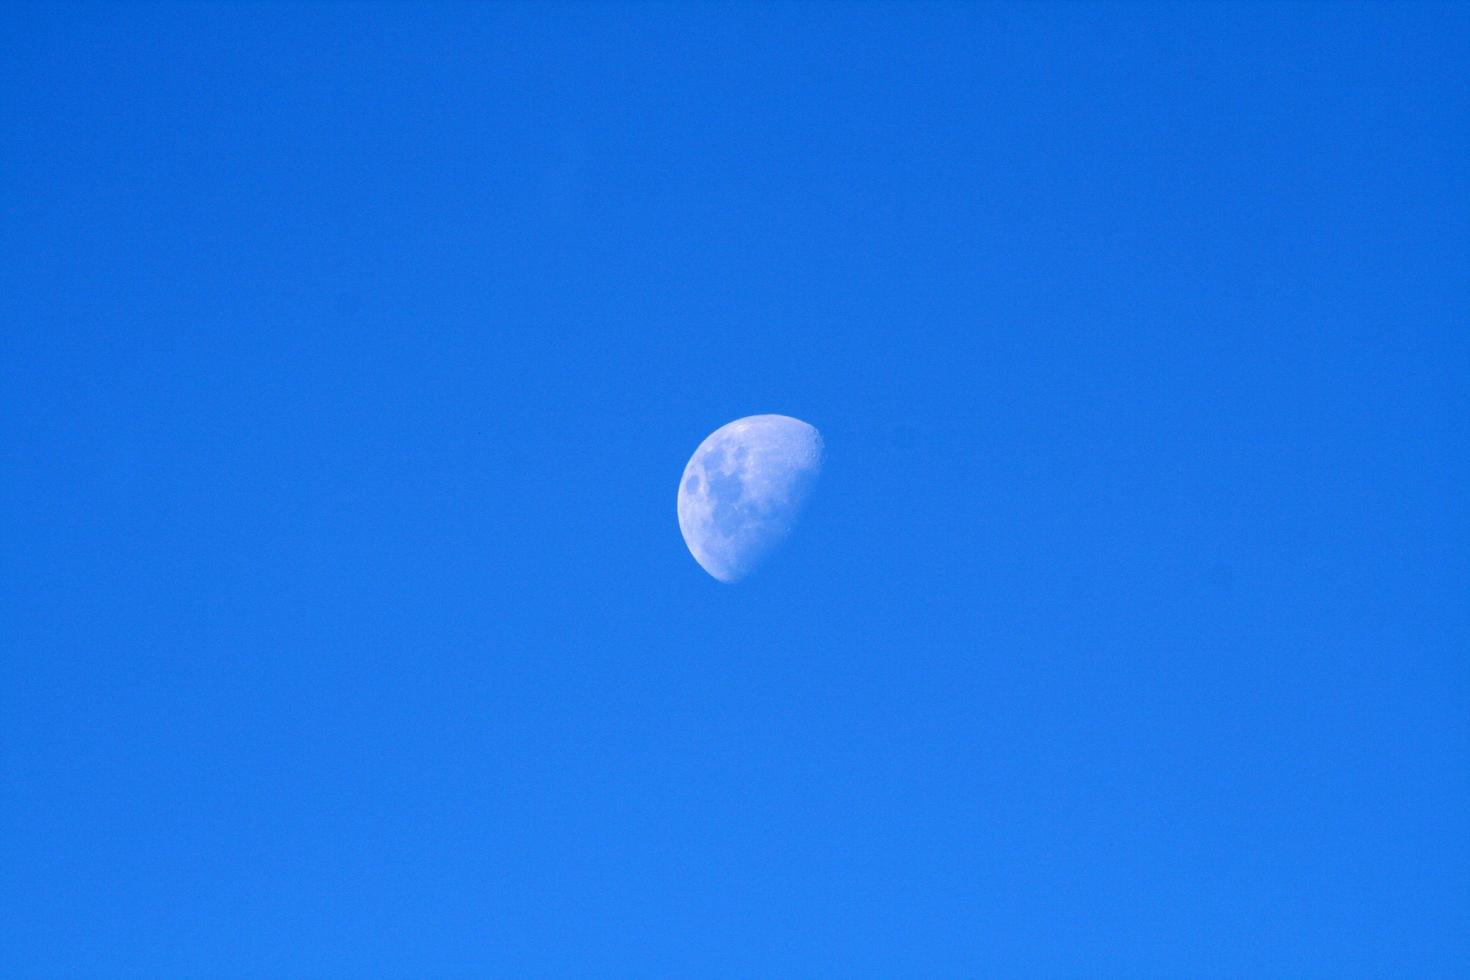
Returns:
<point x="743" y="490"/>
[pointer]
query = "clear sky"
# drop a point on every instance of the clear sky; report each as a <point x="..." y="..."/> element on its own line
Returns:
<point x="352" y="354"/>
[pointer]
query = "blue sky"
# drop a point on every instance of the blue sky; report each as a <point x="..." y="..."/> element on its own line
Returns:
<point x="351" y="356"/>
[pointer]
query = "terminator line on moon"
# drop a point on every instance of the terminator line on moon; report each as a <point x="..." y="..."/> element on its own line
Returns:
<point x="743" y="490"/>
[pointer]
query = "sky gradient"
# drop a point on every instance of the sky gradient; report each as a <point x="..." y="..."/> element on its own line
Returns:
<point x="352" y="355"/>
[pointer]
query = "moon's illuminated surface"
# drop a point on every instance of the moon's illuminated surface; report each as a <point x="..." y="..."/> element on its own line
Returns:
<point x="743" y="490"/>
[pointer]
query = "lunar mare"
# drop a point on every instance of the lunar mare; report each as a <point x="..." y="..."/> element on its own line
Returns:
<point x="743" y="490"/>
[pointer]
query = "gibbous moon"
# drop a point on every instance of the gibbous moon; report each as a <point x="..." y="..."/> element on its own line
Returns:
<point x="743" y="490"/>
